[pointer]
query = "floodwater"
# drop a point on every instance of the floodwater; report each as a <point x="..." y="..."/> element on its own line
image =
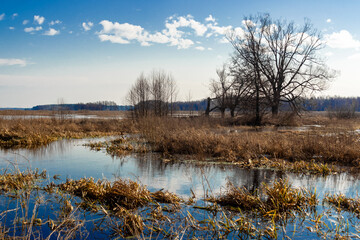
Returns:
<point x="71" y="159"/>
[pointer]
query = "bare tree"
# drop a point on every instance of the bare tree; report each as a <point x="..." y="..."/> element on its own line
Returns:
<point x="173" y="90"/>
<point x="283" y="57"/>
<point x="61" y="108"/>
<point x="154" y="94"/>
<point x="219" y="88"/>
<point x="240" y="91"/>
<point x="139" y="96"/>
<point x="160" y="91"/>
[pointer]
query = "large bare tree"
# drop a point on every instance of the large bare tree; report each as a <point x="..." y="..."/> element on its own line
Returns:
<point x="283" y="57"/>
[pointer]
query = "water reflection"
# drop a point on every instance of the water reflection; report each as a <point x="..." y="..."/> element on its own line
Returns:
<point x="71" y="159"/>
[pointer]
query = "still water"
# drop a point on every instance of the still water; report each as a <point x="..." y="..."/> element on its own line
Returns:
<point x="71" y="159"/>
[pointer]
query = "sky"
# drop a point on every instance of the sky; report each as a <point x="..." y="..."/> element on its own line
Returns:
<point x="87" y="50"/>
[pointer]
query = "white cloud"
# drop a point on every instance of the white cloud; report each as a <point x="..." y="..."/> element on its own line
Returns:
<point x="87" y="26"/>
<point x="113" y="39"/>
<point x="25" y="22"/>
<point x="15" y="15"/>
<point x="11" y="28"/>
<point x="40" y="20"/>
<point x="210" y="19"/>
<point x="54" y="22"/>
<point x="32" y="30"/>
<point x="179" y="31"/>
<point x="200" y="48"/>
<point x="12" y="62"/>
<point x="124" y="33"/>
<point x="355" y="56"/>
<point x="181" y="43"/>
<point x="328" y="20"/>
<point x="220" y="30"/>
<point x="342" y="40"/>
<point x="52" y="32"/>
<point x="2" y="16"/>
<point x="210" y="49"/>
<point x="172" y="24"/>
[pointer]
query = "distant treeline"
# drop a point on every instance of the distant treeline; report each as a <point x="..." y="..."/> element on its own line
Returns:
<point x="309" y="104"/>
<point x="312" y="104"/>
<point x="95" y="106"/>
<point x="332" y="103"/>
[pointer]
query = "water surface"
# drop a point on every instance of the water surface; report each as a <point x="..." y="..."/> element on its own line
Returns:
<point x="71" y="159"/>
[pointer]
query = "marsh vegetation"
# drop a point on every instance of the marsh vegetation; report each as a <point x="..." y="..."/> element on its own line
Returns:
<point x="86" y="200"/>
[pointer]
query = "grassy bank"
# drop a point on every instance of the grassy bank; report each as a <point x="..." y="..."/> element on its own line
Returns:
<point x="200" y="137"/>
<point x="31" y="133"/>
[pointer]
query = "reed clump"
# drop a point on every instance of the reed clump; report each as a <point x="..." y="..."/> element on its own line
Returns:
<point x="121" y="146"/>
<point x="276" y="201"/>
<point x="343" y="203"/>
<point x="121" y="193"/>
<point x="15" y="181"/>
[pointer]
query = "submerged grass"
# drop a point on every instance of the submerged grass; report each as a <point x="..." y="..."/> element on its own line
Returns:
<point x="120" y="146"/>
<point x="118" y="194"/>
<point x="12" y="182"/>
<point x="343" y="203"/>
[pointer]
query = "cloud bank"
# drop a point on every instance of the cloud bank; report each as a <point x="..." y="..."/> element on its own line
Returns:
<point x="179" y="31"/>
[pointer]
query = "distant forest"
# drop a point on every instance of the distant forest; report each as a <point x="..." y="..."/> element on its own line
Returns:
<point x="94" y="106"/>
<point x="312" y="104"/>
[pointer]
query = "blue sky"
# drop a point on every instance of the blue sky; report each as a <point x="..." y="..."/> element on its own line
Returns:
<point x="85" y="51"/>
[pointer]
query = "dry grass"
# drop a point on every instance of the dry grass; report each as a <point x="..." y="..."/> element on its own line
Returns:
<point x="277" y="201"/>
<point x="343" y="203"/>
<point x="119" y="194"/>
<point x="30" y="133"/>
<point x="121" y="146"/>
<point x="238" y="144"/>
<point x="12" y="182"/>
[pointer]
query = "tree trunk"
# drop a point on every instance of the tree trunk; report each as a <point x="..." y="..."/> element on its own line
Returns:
<point x="257" y="107"/>
<point x="275" y="110"/>
<point x="223" y="113"/>
<point x="232" y="112"/>
<point x="207" y="111"/>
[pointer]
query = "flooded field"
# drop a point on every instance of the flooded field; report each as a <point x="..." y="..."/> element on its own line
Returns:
<point x="70" y="159"/>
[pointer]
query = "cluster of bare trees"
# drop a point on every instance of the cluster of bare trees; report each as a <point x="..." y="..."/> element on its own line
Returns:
<point x="153" y="95"/>
<point x="274" y="62"/>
